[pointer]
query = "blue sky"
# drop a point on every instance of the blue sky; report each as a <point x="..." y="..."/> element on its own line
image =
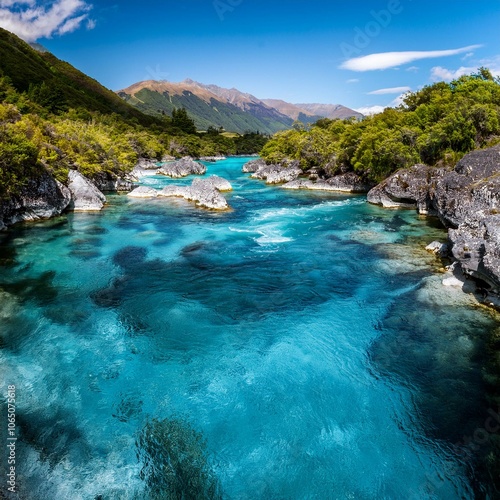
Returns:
<point x="362" y="54"/>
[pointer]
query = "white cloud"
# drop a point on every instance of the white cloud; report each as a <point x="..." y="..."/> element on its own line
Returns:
<point x="392" y="90"/>
<point x="34" y="19"/>
<point x="398" y="101"/>
<point x="493" y="64"/>
<point x="370" y="110"/>
<point x="439" y="73"/>
<point x="413" y="69"/>
<point x="353" y="80"/>
<point x="467" y="56"/>
<point x="386" y="60"/>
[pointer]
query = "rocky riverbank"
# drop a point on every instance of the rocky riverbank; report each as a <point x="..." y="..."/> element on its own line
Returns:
<point x="289" y="176"/>
<point x="466" y="200"/>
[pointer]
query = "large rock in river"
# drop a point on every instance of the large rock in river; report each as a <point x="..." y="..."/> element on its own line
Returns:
<point x="253" y="165"/>
<point x="84" y="195"/>
<point x="407" y="188"/>
<point x="182" y="168"/>
<point x="205" y="192"/>
<point x="276" y="174"/>
<point x="345" y="183"/>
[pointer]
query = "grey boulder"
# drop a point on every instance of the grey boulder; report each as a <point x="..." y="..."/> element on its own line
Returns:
<point x="182" y="168"/>
<point x="276" y="174"/>
<point x="42" y="197"/>
<point x="84" y="195"/>
<point x="205" y="193"/>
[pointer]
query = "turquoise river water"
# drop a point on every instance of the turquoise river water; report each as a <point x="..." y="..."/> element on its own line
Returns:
<point x="307" y="336"/>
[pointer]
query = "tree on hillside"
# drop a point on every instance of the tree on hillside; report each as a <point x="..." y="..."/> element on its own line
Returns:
<point x="182" y="121"/>
<point x="50" y="97"/>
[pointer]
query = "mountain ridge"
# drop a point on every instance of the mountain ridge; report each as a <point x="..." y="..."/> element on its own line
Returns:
<point x="231" y="109"/>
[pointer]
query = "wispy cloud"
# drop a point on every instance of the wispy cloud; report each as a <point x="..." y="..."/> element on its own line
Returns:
<point x="34" y="19"/>
<point x="386" y="60"/>
<point x="353" y="80"/>
<point x="413" y="69"/>
<point x="392" y="90"/>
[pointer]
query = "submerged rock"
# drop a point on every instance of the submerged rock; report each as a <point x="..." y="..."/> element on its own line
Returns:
<point x="467" y="201"/>
<point x="438" y="248"/>
<point x="84" y="195"/>
<point x="42" y="197"/>
<point x="182" y="168"/>
<point x="143" y="192"/>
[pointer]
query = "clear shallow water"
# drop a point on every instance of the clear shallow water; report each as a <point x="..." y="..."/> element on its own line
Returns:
<point x="304" y="334"/>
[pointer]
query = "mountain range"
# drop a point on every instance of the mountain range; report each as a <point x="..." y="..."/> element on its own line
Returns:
<point x="231" y="109"/>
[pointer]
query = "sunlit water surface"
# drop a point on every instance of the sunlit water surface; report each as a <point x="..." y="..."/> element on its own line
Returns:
<point x="306" y="335"/>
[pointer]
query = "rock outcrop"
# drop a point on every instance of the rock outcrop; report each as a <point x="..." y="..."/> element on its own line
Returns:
<point x="84" y="195"/>
<point x="288" y="174"/>
<point x="408" y="188"/>
<point x="148" y="163"/>
<point x="212" y="159"/>
<point x="205" y="192"/>
<point x="106" y="182"/>
<point x="42" y="197"/>
<point x="182" y="168"/>
<point x="276" y="174"/>
<point x="214" y="181"/>
<point x="346" y="183"/>
<point x="253" y="165"/>
<point x="467" y="201"/>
